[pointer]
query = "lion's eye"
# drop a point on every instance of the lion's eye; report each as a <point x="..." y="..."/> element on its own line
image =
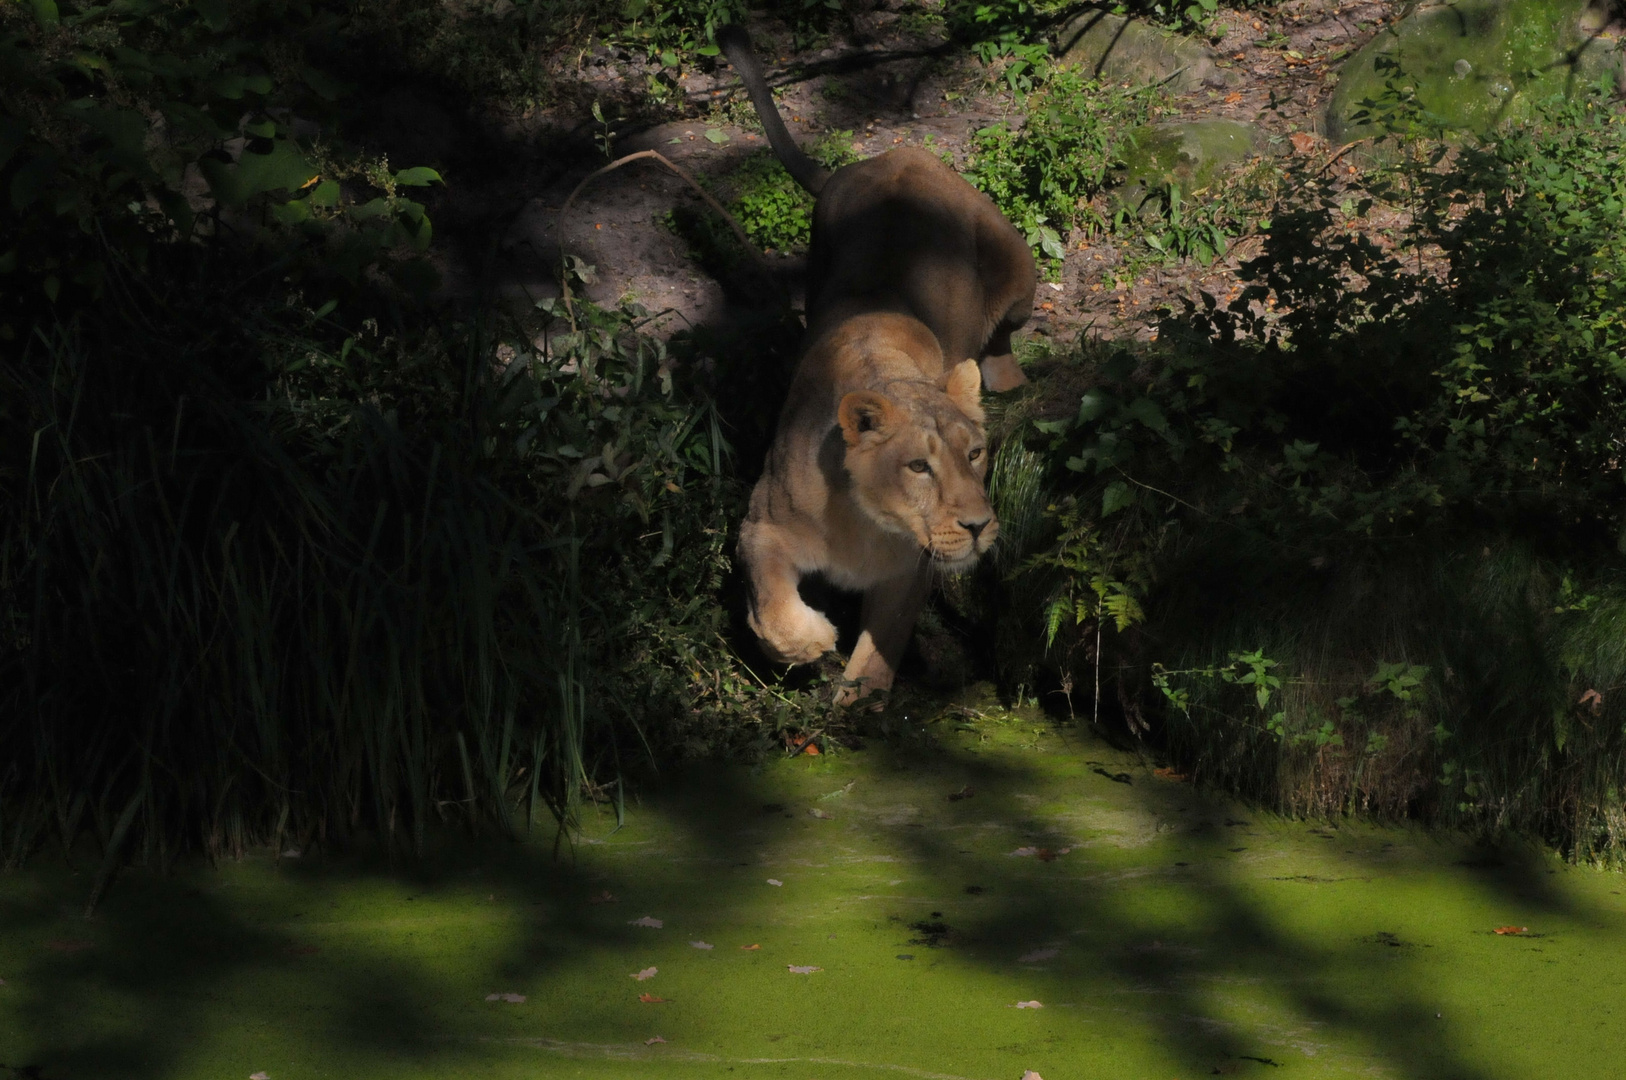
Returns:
<point x="975" y="454"/>
<point x="920" y="465"/>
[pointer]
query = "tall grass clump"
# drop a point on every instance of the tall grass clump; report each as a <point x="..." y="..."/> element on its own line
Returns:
<point x="227" y="624"/>
<point x="288" y="554"/>
<point x="414" y="580"/>
<point x="1351" y="542"/>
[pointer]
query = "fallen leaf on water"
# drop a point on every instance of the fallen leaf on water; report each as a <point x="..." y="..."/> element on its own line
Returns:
<point x="775" y="881"/>
<point x="701" y="945"/>
<point x="604" y="897"/>
<point x="647" y="973"/>
<point x="653" y="1039"/>
<point x="816" y="812"/>
<point x="1511" y="931"/>
<point x="512" y="999"/>
<point x="964" y="793"/>
<point x="1038" y="954"/>
<point x="749" y="948"/>
<point x="1029" y="1005"/>
<point x="651" y="999"/>
<point x="647" y="921"/>
<point x="803" y="969"/>
<point x="1171" y="774"/>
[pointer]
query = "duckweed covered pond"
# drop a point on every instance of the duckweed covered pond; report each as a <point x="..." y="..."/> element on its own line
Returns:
<point x="890" y="912"/>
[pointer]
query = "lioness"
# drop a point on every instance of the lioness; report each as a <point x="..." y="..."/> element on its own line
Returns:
<point x="875" y="477"/>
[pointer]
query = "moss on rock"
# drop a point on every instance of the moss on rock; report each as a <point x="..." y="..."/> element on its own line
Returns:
<point x="1475" y="63"/>
<point x="1116" y="49"/>
<point x="1191" y="153"/>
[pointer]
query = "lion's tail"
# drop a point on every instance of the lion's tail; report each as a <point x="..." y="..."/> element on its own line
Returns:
<point x="736" y="45"/>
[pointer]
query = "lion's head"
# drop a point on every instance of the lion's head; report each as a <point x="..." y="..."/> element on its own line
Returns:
<point x="917" y="456"/>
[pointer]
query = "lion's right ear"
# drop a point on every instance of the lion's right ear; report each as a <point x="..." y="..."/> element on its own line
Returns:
<point x="864" y="412"/>
<point x="963" y="385"/>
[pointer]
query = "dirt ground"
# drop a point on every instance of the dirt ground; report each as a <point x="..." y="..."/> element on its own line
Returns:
<point x="890" y="88"/>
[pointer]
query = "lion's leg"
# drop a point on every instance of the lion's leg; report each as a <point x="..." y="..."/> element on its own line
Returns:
<point x="1001" y="372"/>
<point x="790" y="631"/>
<point x="890" y="611"/>
<point x="1010" y="281"/>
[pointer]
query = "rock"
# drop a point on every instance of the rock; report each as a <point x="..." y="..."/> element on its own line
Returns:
<point x="1475" y="63"/>
<point x="1191" y="153"/>
<point x="1124" y="50"/>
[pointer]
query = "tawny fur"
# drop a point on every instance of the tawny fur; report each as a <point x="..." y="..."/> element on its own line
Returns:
<point x="876" y="476"/>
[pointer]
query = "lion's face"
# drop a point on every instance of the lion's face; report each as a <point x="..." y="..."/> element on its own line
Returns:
<point x="918" y="457"/>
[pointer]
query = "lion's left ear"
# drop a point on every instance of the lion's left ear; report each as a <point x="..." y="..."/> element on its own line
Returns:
<point x="963" y="385"/>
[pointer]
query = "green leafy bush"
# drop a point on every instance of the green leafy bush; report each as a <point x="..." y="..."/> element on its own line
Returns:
<point x="772" y="208"/>
<point x="1532" y="397"/>
<point x="1397" y="480"/>
<point x="1044" y="173"/>
<point x="285" y="556"/>
<point x="364" y="588"/>
<point x="133" y="128"/>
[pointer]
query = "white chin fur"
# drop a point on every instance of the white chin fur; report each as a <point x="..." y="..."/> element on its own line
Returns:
<point x="957" y="565"/>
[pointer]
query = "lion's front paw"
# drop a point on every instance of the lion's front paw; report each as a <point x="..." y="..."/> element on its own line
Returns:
<point x="798" y="636"/>
<point x="854" y="693"/>
<point x="868" y="676"/>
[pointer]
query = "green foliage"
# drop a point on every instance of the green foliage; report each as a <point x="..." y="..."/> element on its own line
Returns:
<point x="772" y="208"/>
<point x="1098" y="580"/>
<point x="1178" y="228"/>
<point x="1044" y="173"/>
<point x="133" y="127"/>
<point x="264" y="574"/>
<point x="1532" y="397"/>
<point x="1006" y="28"/>
<point x="1397" y="482"/>
<point x="1182" y="16"/>
<point x="372" y="585"/>
<point x="235" y="620"/>
<point x="671" y="33"/>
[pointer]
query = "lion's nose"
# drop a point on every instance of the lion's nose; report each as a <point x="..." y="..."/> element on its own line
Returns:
<point x="975" y="527"/>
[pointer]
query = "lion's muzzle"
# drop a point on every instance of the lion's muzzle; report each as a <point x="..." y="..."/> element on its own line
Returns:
<point x="957" y="546"/>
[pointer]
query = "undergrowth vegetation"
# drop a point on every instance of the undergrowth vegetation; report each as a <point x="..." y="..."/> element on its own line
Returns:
<point x="1351" y="541"/>
<point x="289" y="555"/>
<point x="772" y="208"/>
<point x="284" y="557"/>
<point x="1045" y="173"/>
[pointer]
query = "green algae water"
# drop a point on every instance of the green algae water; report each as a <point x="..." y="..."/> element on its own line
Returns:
<point x="984" y="896"/>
